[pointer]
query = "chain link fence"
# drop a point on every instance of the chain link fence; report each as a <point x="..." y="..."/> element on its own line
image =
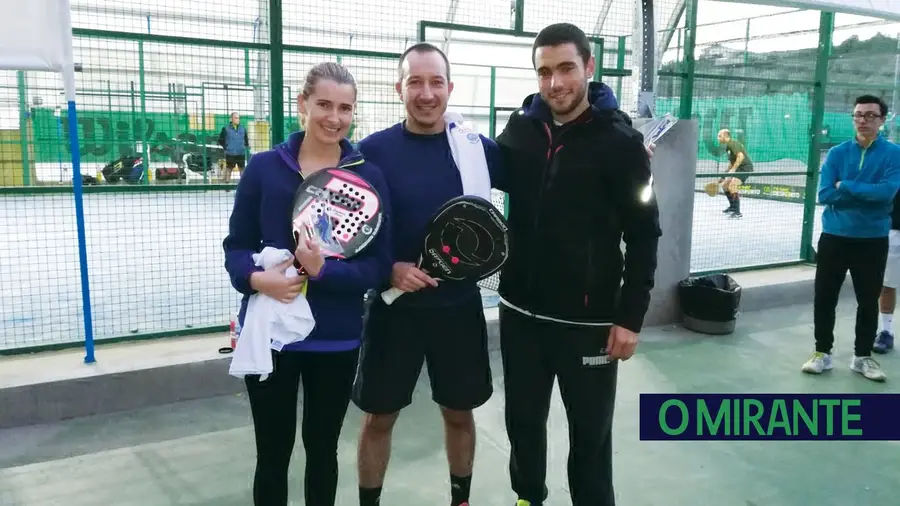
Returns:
<point x="158" y="80"/>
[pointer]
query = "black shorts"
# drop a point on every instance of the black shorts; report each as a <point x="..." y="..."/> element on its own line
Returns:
<point x="743" y="173"/>
<point x="452" y="341"/>
<point x="232" y="160"/>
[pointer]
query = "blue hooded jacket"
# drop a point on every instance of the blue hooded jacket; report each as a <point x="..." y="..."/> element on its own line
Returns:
<point x="262" y="217"/>
<point x="861" y="207"/>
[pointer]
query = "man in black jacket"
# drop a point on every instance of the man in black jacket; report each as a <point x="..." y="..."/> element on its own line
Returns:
<point x="579" y="182"/>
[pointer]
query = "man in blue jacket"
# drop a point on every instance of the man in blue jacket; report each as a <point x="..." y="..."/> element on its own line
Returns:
<point x="859" y="180"/>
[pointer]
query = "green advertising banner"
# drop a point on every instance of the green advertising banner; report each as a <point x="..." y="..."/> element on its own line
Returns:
<point x="771" y="127"/>
<point x="106" y="135"/>
<point x="780" y="192"/>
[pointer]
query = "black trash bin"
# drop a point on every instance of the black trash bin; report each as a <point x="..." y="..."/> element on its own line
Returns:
<point x="710" y="303"/>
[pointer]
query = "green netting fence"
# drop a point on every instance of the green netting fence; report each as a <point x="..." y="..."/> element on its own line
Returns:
<point x="158" y="79"/>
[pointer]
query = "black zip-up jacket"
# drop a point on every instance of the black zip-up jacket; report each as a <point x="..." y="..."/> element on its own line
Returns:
<point x="575" y="192"/>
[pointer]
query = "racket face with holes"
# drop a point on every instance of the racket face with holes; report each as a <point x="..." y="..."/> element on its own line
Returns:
<point x="340" y="210"/>
<point x="466" y="240"/>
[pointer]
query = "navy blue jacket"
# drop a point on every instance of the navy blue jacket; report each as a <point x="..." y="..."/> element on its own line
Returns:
<point x="262" y="217"/>
<point x="422" y="177"/>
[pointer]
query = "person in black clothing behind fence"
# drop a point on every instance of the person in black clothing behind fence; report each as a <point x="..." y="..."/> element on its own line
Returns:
<point x="579" y="182"/>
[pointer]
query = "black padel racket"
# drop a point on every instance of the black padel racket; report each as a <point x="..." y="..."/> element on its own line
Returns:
<point x="339" y="209"/>
<point x="467" y="239"/>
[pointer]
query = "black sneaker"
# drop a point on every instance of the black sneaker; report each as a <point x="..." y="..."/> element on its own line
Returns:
<point x="728" y="210"/>
<point x="736" y="214"/>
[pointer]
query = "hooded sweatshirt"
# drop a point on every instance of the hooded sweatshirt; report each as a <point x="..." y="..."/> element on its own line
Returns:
<point x="575" y="191"/>
<point x="262" y="217"/>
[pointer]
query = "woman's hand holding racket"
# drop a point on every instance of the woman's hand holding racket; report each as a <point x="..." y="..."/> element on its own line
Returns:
<point x="272" y="282"/>
<point x="409" y="278"/>
<point x="309" y="254"/>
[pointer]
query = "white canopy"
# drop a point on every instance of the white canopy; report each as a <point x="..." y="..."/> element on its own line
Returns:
<point x="37" y="35"/>
<point x="888" y="9"/>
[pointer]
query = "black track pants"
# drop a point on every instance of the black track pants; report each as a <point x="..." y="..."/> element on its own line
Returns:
<point x="535" y="352"/>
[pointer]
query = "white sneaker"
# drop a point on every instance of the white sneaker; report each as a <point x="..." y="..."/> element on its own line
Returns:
<point x="868" y="367"/>
<point x="818" y="363"/>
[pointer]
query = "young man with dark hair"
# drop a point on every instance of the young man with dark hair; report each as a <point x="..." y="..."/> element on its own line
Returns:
<point x="579" y="183"/>
<point x="739" y="163"/>
<point x="441" y="324"/>
<point x="859" y="182"/>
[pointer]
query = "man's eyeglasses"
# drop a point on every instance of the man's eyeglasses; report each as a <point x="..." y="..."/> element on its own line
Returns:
<point x="869" y="116"/>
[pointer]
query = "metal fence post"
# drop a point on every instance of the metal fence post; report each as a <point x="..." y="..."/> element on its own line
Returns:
<point x="519" y="13"/>
<point x="826" y="30"/>
<point x="690" y="40"/>
<point x="23" y="127"/>
<point x="276" y="72"/>
<point x="492" y="111"/>
<point x="620" y="64"/>
<point x="145" y="152"/>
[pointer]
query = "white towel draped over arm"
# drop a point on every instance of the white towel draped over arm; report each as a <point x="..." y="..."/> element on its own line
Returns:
<point x="270" y="324"/>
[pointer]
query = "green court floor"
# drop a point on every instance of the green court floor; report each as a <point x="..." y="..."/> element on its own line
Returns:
<point x="201" y="452"/>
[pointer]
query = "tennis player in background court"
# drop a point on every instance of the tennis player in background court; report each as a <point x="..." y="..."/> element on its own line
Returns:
<point x="884" y="341"/>
<point x="739" y="163"/>
<point x="442" y="325"/>
<point x="326" y="359"/>
<point x="578" y="183"/>
<point x="858" y="185"/>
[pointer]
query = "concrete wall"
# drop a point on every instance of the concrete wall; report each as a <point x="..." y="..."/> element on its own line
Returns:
<point x="674" y="165"/>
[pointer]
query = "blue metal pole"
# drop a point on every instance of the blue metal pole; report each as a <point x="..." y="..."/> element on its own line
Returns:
<point x="82" y="239"/>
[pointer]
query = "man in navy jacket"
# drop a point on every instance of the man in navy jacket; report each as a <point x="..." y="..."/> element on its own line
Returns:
<point x="441" y="324"/>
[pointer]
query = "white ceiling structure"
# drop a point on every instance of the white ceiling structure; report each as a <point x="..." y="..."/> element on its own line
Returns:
<point x="888" y="9"/>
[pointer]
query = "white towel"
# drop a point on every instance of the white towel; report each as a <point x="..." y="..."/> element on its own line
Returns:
<point x="468" y="153"/>
<point x="270" y="324"/>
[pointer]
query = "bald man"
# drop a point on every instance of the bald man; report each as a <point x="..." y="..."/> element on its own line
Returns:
<point x="738" y="161"/>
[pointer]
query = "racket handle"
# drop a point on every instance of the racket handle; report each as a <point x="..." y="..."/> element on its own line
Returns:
<point x="391" y="294"/>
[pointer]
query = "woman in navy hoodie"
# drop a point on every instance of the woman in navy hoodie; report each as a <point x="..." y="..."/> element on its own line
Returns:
<point x="326" y="359"/>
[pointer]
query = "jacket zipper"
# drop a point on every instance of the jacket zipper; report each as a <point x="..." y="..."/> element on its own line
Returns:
<point x="551" y="151"/>
<point x="590" y="270"/>
<point x="537" y="213"/>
